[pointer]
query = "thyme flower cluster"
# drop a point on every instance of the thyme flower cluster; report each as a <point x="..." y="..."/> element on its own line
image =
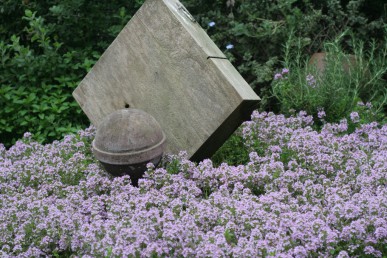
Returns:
<point x="303" y="193"/>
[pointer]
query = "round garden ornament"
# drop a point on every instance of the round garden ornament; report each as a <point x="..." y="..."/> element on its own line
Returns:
<point x="127" y="140"/>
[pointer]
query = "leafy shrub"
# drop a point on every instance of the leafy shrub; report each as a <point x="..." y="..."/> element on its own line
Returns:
<point x="258" y="29"/>
<point x="302" y="193"/>
<point x="36" y="86"/>
<point x="336" y="86"/>
<point x="80" y="25"/>
<point x="44" y="55"/>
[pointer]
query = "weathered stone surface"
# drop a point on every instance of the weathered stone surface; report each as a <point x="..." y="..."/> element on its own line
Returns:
<point x="162" y="62"/>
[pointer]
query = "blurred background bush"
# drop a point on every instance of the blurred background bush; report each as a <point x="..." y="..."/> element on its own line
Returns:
<point x="48" y="46"/>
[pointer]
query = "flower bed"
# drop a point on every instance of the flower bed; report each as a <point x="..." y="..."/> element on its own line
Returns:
<point x="303" y="193"/>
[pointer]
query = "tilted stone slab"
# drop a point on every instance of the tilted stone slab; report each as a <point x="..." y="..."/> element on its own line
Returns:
<point x="164" y="63"/>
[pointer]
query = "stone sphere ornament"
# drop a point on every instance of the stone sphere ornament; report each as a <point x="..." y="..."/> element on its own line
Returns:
<point x="126" y="141"/>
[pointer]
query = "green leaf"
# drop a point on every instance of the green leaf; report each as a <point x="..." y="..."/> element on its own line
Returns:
<point x="15" y="39"/>
<point x="230" y="236"/>
<point x="8" y="96"/>
<point x="28" y="13"/>
<point x="9" y="109"/>
<point x="31" y="97"/>
<point x="9" y="129"/>
<point x="22" y="112"/>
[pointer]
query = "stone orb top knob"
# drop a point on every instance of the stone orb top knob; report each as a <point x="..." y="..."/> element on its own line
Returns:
<point x="128" y="136"/>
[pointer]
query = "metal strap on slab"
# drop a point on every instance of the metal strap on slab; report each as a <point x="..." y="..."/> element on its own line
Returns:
<point x="182" y="9"/>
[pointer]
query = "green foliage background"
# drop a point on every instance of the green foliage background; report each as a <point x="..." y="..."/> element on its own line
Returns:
<point x="47" y="47"/>
<point x="345" y="81"/>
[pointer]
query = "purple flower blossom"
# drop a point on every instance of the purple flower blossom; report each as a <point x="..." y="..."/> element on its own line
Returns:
<point x="321" y="113"/>
<point x="371" y="250"/>
<point x="229" y="46"/>
<point x="281" y="74"/>
<point x="27" y="135"/>
<point x="343" y="254"/>
<point x="381" y="233"/>
<point x="343" y="126"/>
<point x="302" y="193"/>
<point x="354" y="117"/>
<point x="211" y="24"/>
<point x="277" y="76"/>
<point x="311" y="80"/>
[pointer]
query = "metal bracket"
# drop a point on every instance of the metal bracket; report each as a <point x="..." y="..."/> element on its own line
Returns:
<point x="182" y="9"/>
<point x="216" y="57"/>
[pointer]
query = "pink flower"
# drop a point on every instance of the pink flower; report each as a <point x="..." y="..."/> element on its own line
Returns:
<point x="355" y="117"/>
<point x="321" y="113"/>
<point x="311" y="80"/>
<point x="277" y="76"/>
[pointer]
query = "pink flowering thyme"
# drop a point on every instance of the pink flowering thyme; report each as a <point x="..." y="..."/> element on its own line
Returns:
<point x="302" y="194"/>
<point x="281" y="74"/>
